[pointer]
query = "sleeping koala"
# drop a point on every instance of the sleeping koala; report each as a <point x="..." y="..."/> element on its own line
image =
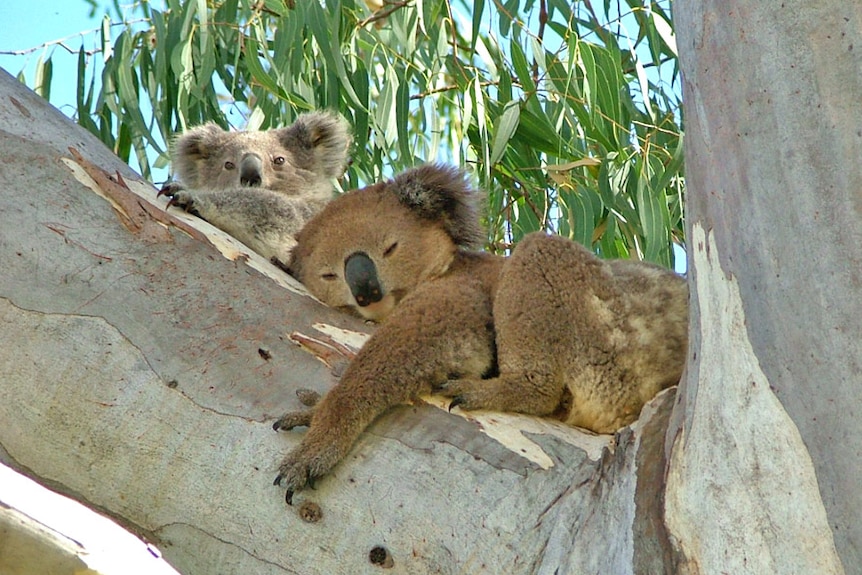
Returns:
<point x="260" y="186"/>
<point x="551" y="330"/>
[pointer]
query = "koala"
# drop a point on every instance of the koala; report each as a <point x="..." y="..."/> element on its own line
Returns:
<point x="551" y="330"/>
<point x="260" y="186"/>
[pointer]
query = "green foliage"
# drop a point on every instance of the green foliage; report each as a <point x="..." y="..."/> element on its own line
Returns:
<point x="567" y="119"/>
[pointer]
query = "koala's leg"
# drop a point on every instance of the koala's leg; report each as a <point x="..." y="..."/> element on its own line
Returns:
<point x="444" y="327"/>
<point x="264" y="220"/>
<point x="549" y="319"/>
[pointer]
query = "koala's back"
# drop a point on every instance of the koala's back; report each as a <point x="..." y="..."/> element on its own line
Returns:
<point x="615" y="333"/>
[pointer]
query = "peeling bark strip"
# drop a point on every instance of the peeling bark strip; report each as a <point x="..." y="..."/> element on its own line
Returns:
<point x="139" y="217"/>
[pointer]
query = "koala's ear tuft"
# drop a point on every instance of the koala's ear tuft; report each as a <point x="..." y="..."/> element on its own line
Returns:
<point x="193" y="147"/>
<point x="442" y="193"/>
<point x="322" y="137"/>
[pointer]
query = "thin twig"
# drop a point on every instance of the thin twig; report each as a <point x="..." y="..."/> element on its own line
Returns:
<point x="448" y="88"/>
<point x="382" y="14"/>
<point x="61" y="41"/>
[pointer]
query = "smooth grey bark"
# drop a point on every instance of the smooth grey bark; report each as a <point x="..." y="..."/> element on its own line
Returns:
<point x="772" y="96"/>
<point x="141" y="369"/>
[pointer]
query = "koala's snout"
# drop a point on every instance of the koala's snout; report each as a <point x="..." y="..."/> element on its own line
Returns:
<point x="361" y="276"/>
<point x="251" y="170"/>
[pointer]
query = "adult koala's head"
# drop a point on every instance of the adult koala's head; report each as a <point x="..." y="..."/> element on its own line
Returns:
<point x="368" y="248"/>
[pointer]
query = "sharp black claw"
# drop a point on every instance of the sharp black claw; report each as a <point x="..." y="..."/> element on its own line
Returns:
<point x="277" y="425"/>
<point x="456" y="401"/>
<point x="278" y="479"/>
<point x="288" y="497"/>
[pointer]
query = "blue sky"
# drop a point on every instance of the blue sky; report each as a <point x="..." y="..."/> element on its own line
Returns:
<point x="56" y="19"/>
<point x="66" y="20"/>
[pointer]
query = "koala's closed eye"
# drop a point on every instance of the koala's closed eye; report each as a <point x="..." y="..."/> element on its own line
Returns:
<point x="329" y="277"/>
<point x="390" y="250"/>
<point x="229" y="165"/>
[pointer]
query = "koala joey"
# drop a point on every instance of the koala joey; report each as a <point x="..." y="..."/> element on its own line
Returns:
<point x="551" y="330"/>
<point x="260" y="186"/>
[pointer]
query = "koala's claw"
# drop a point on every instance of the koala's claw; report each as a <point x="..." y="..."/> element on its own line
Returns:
<point x="180" y="197"/>
<point x="170" y="189"/>
<point x="463" y="393"/>
<point x="296" y="476"/>
<point x="456" y="401"/>
<point x="288" y="495"/>
<point x="304" y="465"/>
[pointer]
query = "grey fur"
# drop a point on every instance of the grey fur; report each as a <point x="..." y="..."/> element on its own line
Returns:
<point x="260" y="186"/>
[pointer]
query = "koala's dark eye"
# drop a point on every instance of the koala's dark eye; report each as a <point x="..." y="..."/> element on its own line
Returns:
<point x="229" y="165"/>
<point x="278" y="160"/>
<point x="390" y="250"/>
<point x="329" y="277"/>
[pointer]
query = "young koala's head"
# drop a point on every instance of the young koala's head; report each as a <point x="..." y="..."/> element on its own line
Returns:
<point x="368" y="248"/>
<point x="310" y="151"/>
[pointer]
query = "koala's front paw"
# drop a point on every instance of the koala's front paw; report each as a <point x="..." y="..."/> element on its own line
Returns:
<point x="303" y="465"/>
<point x="180" y="197"/>
<point x="170" y="189"/>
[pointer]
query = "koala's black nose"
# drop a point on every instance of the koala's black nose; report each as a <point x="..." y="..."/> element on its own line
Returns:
<point x="250" y="170"/>
<point x="361" y="276"/>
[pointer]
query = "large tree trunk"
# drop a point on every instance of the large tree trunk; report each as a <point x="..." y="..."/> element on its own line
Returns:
<point x="140" y="369"/>
<point x="765" y="442"/>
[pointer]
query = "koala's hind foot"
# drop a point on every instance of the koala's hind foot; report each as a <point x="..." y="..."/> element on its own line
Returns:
<point x="523" y="393"/>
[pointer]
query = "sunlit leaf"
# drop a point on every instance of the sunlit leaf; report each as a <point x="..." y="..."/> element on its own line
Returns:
<point x="506" y="126"/>
<point x="44" y="71"/>
<point x="665" y="31"/>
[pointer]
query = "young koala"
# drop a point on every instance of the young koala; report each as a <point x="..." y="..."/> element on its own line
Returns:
<point x="260" y="186"/>
<point x="551" y="330"/>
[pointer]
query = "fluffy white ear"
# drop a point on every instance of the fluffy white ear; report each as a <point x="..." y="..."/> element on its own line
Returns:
<point x="442" y="193"/>
<point x="191" y="149"/>
<point x="321" y="139"/>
